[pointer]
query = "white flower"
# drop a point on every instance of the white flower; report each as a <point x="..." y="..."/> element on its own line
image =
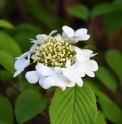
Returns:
<point x="88" y="67"/>
<point x="41" y="37"/>
<point x="47" y="77"/>
<point x="22" y="62"/>
<point x="75" y="36"/>
<point x="71" y="74"/>
<point x="83" y="55"/>
<point x="58" y="63"/>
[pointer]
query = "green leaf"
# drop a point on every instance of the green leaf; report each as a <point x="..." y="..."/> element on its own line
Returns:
<point x="5" y="24"/>
<point x="1" y="122"/>
<point x="107" y="78"/>
<point x="112" y="21"/>
<point x="6" y="112"/>
<point x="103" y="8"/>
<point x="9" y="45"/>
<point x="80" y="11"/>
<point x="7" y="61"/>
<point x="96" y="90"/>
<point x="100" y="118"/>
<point x="76" y="105"/>
<point x="111" y="111"/>
<point x="29" y="104"/>
<point x="114" y="60"/>
<point x="5" y="75"/>
<point x="39" y="12"/>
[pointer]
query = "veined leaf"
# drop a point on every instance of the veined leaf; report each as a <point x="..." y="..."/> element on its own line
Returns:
<point x="80" y="11"/>
<point x="76" y="105"/>
<point x="100" y="118"/>
<point x="9" y="45"/>
<point x="114" y="60"/>
<point x="103" y="8"/>
<point x="6" y="112"/>
<point x="111" y="111"/>
<point x="29" y="104"/>
<point x="107" y="78"/>
<point x="5" y="24"/>
<point x="7" y="61"/>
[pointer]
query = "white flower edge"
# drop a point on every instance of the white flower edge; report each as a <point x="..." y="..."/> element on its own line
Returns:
<point x="48" y="77"/>
<point x="41" y="37"/>
<point x="74" y="36"/>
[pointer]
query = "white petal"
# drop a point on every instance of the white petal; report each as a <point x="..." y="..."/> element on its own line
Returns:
<point x="86" y="52"/>
<point x="42" y="78"/>
<point x="32" y="77"/>
<point x="92" y="65"/>
<point x="65" y="35"/>
<point x="80" y="32"/>
<point x="48" y="82"/>
<point x="89" y="73"/>
<point x="78" y="80"/>
<point x="60" y="81"/>
<point x="33" y="48"/>
<point x="59" y="36"/>
<point x="68" y="30"/>
<point x="82" y="74"/>
<point x="52" y="32"/>
<point x="17" y="72"/>
<point x="21" y="63"/>
<point x="85" y="37"/>
<point x="23" y="55"/>
<point x="68" y="63"/>
<point x="69" y="74"/>
<point x="40" y="38"/>
<point x="44" y="70"/>
<point x="58" y="70"/>
<point x="78" y="67"/>
<point x="80" y="58"/>
<point x="74" y="40"/>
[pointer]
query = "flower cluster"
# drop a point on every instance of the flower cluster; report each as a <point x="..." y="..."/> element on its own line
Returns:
<point x="57" y="61"/>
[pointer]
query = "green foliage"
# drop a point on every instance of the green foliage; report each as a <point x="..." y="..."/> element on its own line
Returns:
<point x="103" y="8"/>
<point x="107" y="78"/>
<point x="7" y="61"/>
<point x="80" y="11"/>
<point x="5" y="24"/>
<point x="9" y="45"/>
<point x="100" y="118"/>
<point x="29" y="104"/>
<point x="40" y="13"/>
<point x="6" y="112"/>
<point x="73" y="106"/>
<point x="114" y="60"/>
<point x="111" y="111"/>
<point x="5" y="75"/>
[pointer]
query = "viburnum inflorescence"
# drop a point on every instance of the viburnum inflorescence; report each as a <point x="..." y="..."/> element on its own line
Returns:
<point x="58" y="62"/>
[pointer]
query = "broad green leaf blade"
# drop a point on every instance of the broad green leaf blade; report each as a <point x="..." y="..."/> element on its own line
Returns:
<point x="29" y="104"/>
<point x="111" y="111"/>
<point x="103" y="8"/>
<point x="107" y="78"/>
<point x="96" y="90"/>
<point x="76" y="105"/>
<point x="1" y="122"/>
<point x="9" y="45"/>
<point x="80" y="11"/>
<point x="5" y="75"/>
<point x="5" y="24"/>
<point x="7" y="61"/>
<point x="112" y="21"/>
<point x="6" y="112"/>
<point x="114" y="60"/>
<point x="100" y="118"/>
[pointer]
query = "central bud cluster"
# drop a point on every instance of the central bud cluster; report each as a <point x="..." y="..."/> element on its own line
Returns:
<point x="53" y="52"/>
